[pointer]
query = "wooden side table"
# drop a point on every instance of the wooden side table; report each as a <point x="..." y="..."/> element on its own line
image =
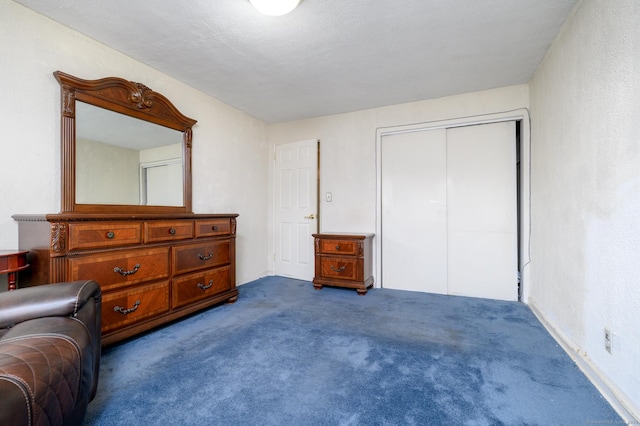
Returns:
<point x="12" y="261"/>
<point x="344" y="260"/>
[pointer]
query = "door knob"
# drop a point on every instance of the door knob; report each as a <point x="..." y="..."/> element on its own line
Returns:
<point x="311" y="216"/>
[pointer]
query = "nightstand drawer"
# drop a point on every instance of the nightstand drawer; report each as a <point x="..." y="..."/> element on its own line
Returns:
<point x="193" y="257"/>
<point x="343" y="247"/>
<point x="103" y="234"/>
<point x="343" y="268"/>
<point x="168" y="230"/>
<point x="122" y="308"/>
<point x="193" y="287"/>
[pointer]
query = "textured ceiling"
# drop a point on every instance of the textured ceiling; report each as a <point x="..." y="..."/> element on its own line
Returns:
<point x="327" y="56"/>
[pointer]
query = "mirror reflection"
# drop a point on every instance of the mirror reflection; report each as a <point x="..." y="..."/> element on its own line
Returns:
<point x="126" y="161"/>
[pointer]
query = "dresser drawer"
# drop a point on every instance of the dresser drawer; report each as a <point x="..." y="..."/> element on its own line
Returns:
<point x="169" y="230"/>
<point x="193" y="287"/>
<point x="112" y="270"/>
<point x="122" y="308"/>
<point x="103" y="234"/>
<point x="338" y="247"/>
<point x="342" y="268"/>
<point x="193" y="257"/>
<point x="213" y="227"/>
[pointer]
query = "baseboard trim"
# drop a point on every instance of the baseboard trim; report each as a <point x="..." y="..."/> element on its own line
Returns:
<point x="608" y="390"/>
<point x="253" y="278"/>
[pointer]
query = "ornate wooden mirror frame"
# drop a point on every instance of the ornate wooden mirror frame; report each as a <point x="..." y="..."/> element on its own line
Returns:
<point x="125" y="97"/>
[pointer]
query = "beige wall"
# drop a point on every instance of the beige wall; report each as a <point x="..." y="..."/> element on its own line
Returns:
<point x="230" y="156"/>
<point x="585" y="109"/>
<point x="348" y="150"/>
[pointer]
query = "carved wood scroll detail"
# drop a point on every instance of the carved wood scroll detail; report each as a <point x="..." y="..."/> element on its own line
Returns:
<point x="138" y="98"/>
<point x="58" y="237"/>
<point x="68" y="102"/>
<point x="188" y="136"/>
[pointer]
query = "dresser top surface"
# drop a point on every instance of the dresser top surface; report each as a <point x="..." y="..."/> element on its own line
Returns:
<point x="343" y="235"/>
<point x="73" y="217"/>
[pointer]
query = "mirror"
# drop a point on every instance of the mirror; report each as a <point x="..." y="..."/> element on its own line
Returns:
<point x="123" y="160"/>
<point x="125" y="149"/>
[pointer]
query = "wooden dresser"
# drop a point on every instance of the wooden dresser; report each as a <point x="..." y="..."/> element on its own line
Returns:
<point x="344" y="260"/>
<point x="152" y="268"/>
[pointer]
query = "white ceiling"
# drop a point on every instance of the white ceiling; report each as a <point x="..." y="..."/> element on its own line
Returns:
<point x="327" y="56"/>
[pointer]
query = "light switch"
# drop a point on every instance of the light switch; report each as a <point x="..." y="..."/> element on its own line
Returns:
<point x="329" y="197"/>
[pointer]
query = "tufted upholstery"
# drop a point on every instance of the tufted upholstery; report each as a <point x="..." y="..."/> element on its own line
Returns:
<point x="49" y="353"/>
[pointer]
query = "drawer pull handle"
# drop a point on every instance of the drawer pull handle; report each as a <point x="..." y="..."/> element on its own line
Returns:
<point x="125" y="273"/>
<point x="204" y="287"/>
<point x="202" y="257"/>
<point x="338" y="247"/>
<point x="172" y="231"/>
<point x="110" y="234"/>
<point x="214" y="227"/>
<point x="338" y="270"/>
<point x="124" y="311"/>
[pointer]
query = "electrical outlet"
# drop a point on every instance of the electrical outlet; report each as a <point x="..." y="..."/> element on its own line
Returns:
<point x="607" y="340"/>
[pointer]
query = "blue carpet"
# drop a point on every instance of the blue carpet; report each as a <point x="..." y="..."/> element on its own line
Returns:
<point x="286" y="354"/>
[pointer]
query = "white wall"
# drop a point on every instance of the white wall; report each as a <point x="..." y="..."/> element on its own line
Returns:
<point x="230" y="156"/>
<point x="585" y="110"/>
<point x="348" y="150"/>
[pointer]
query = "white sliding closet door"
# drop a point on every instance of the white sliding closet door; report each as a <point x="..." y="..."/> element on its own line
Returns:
<point x="449" y="214"/>
<point x="414" y="195"/>
<point x="482" y="218"/>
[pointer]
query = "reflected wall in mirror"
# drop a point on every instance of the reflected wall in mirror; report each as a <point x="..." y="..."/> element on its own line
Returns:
<point x="123" y="160"/>
<point x="125" y="148"/>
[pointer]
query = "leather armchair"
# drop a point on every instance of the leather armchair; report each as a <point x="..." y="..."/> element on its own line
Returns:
<point x="49" y="353"/>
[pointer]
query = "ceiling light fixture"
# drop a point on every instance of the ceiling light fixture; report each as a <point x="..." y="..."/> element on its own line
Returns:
<point x="275" y="7"/>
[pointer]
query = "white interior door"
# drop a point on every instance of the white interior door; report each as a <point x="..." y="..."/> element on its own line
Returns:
<point x="449" y="213"/>
<point x="482" y="206"/>
<point x="414" y="203"/>
<point x="296" y="215"/>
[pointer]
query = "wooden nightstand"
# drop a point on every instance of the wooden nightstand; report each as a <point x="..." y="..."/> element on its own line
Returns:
<point x="344" y="260"/>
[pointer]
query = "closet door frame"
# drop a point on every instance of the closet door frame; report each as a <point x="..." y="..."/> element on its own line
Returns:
<point x="521" y="115"/>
